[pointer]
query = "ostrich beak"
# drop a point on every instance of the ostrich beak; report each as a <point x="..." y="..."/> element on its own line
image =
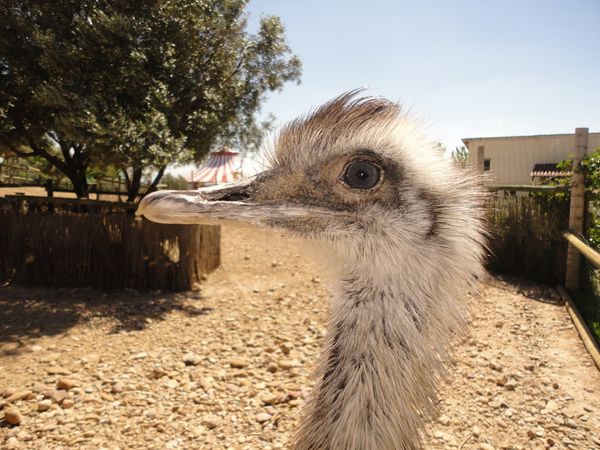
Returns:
<point x="236" y="203"/>
<point x="211" y="205"/>
<point x="240" y="202"/>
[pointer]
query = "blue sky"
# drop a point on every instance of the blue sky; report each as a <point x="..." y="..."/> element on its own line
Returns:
<point x="468" y="68"/>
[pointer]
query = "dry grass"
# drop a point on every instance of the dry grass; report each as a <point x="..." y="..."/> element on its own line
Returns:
<point x="526" y="238"/>
<point x="103" y="250"/>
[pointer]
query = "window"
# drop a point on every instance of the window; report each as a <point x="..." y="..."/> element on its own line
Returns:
<point x="486" y="164"/>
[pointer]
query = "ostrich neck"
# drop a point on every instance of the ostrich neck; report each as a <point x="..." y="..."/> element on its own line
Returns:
<point x="378" y="372"/>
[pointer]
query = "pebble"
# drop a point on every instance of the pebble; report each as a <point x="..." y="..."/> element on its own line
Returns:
<point x="245" y="386"/>
<point x="56" y="396"/>
<point x="190" y="359"/>
<point x="552" y="406"/>
<point x="210" y="422"/>
<point x="24" y="436"/>
<point x="172" y="384"/>
<point x="12" y="415"/>
<point x="444" y="420"/>
<point x="287" y="364"/>
<point x="495" y="366"/>
<point x="442" y="436"/>
<point x="285" y="349"/>
<point x="157" y="373"/>
<point x="238" y="363"/>
<point x="19" y="395"/>
<point x="263" y="417"/>
<point x="502" y="380"/>
<point x="12" y="443"/>
<point x="56" y="370"/>
<point x="39" y="387"/>
<point x="65" y="384"/>
<point x="270" y="399"/>
<point x="44" y="405"/>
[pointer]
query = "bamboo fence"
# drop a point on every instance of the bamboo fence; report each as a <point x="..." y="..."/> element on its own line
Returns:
<point x="64" y="244"/>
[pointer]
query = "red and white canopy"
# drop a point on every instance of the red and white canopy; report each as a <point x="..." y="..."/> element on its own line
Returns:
<point x="219" y="167"/>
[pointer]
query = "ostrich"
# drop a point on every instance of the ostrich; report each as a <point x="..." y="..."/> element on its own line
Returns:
<point x="400" y="227"/>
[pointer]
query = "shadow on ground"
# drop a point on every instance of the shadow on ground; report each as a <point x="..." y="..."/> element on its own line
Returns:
<point x="27" y="314"/>
<point x="529" y="289"/>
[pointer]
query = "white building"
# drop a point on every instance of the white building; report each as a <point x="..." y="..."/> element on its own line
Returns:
<point x="514" y="160"/>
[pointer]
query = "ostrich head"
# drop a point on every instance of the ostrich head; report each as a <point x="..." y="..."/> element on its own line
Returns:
<point x="401" y="227"/>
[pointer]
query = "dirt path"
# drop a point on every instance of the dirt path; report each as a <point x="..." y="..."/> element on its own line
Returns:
<point x="227" y="368"/>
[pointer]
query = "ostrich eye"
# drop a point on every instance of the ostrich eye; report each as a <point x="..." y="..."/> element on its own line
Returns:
<point x="362" y="175"/>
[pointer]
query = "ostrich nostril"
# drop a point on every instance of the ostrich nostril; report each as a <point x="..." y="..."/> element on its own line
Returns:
<point x="235" y="193"/>
<point x="234" y="196"/>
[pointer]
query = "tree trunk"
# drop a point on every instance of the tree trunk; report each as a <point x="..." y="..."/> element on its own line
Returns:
<point x="74" y="167"/>
<point x="133" y="186"/>
<point x="157" y="178"/>
<point x="79" y="181"/>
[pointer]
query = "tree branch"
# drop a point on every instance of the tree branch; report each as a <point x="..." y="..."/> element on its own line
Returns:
<point x="64" y="149"/>
<point x="14" y="149"/>
<point x="127" y="179"/>
<point x="157" y="178"/>
<point x="235" y="71"/>
<point x="63" y="166"/>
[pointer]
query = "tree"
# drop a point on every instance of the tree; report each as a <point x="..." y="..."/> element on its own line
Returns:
<point x="136" y="84"/>
<point x="460" y="155"/>
<point x="590" y="166"/>
<point x="439" y="147"/>
<point x="175" y="182"/>
<point x="248" y="135"/>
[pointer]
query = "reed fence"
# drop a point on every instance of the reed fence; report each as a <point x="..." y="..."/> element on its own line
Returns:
<point x="526" y="237"/>
<point x="64" y="242"/>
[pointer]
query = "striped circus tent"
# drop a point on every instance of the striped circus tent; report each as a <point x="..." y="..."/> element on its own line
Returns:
<point x="220" y="167"/>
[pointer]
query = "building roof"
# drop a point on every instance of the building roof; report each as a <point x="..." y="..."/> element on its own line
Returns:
<point x="546" y="170"/>
<point x="531" y="136"/>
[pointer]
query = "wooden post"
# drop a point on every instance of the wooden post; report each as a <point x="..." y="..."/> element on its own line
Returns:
<point x="49" y="188"/>
<point x="576" y="211"/>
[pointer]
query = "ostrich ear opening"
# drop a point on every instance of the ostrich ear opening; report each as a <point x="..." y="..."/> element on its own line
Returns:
<point x="210" y="206"/>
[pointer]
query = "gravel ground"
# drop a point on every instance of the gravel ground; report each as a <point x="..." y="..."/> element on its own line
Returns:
<point x="227" y="367"/>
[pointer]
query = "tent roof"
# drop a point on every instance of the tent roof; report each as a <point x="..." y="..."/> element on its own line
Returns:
<point x="219" y="167"/>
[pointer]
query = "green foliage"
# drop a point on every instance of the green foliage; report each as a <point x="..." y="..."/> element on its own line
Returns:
<point x="590" y="166"/>
<point x="460" y="155"/>
<point x="133" y="84"/>
<point x="174" y="182"/>
<point x="588" y="304"/>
